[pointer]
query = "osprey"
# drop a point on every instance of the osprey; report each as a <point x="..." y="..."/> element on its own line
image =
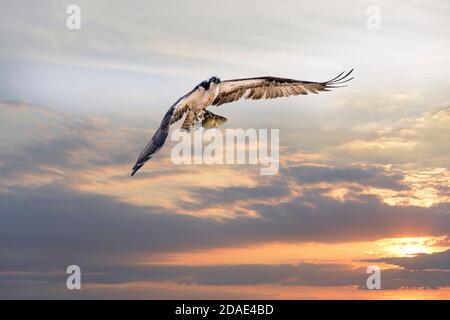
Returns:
<point x="192" y="106"/>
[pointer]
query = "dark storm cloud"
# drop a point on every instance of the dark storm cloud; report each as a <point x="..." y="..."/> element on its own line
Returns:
<point x="365" y="176"/>
<point x="252" y="274"/>
<point x="422" y="261"/>
<point x="51" y="225"/>
<point x="31" y="289"/>
<point x="302" y="274"/>
<point x="206" y="197"/>
<point x="317" y="218"/>
<point x="313" y="217"/>
<point x="60" y="224"/>
<point x="370" y="176"/>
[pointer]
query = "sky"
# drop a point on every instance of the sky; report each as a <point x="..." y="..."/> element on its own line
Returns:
<point x="364" y="175"/>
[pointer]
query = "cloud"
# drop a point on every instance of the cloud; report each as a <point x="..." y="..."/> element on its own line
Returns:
<point x="14" y="105"/>
<point x="422" y="261"/>
<point x="29" y="289"/>
<point x="203" y="197"/>
<point x="71" y="153"/>
<point x="283" y="275"/>
<point x="379" y="166"/>
<point x="302" y="274"/>
<point x="400" y="142"/>
<point x="40" y="141"/>
<point x="159" y="49"/>
<point x="49" y="225"/>
<point x="52" y="225"/>
<point x="367" y="176"/>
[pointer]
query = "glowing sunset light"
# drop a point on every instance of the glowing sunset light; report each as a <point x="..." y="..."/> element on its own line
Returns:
<point x="411" y="246"/>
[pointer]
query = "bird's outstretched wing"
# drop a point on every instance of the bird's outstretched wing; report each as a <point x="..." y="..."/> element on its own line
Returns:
<point x="272" y="87"/>
<point x="175" y="113"/>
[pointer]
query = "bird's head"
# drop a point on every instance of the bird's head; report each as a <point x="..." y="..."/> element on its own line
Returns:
<point x="206" y="83"/>
<point x="215" y="80"/>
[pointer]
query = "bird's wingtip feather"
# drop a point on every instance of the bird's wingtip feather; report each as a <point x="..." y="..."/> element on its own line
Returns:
<point x="136" y="168"/>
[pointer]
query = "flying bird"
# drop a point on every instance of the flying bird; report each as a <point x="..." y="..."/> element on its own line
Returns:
<point x="214" y="92"/>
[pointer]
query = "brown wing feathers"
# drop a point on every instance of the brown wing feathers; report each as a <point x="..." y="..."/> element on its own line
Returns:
<point x="273" y="87"/>
<point x="179" y="113"/>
